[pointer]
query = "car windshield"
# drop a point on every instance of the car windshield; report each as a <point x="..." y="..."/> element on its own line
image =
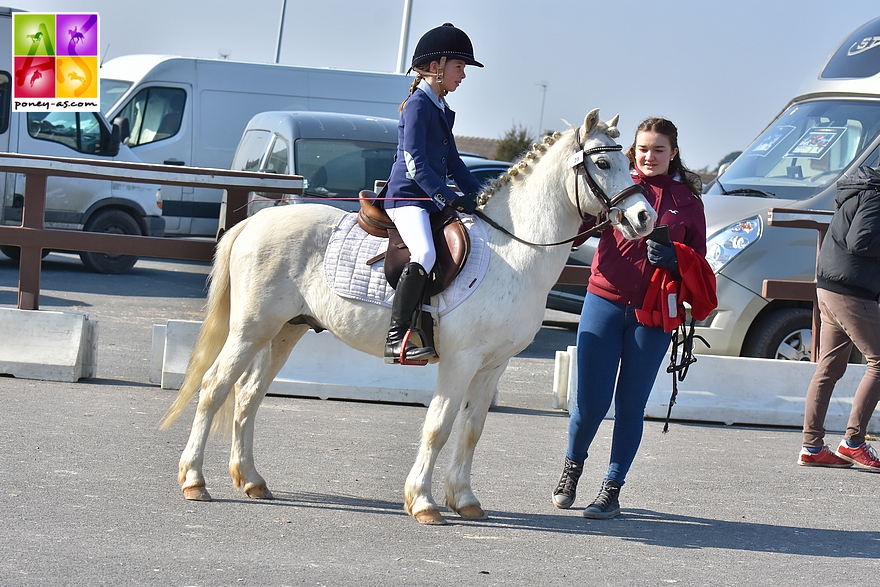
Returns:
<point x="111" y="91"/>
<point x="804" y="150"/>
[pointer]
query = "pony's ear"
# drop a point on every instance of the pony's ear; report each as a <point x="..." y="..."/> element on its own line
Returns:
<point x="590" y="121"/>
<point x="612" y="127"/>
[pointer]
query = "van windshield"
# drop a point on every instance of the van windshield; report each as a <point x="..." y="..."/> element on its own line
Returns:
<point x="111" y="91"/>
<point x="342" y="168"/>
<point x="804" y="150"/>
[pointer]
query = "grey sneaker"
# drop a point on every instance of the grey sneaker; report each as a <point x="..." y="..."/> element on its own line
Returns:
<point x="605" y="505"/>
<point x="566" y="490"/>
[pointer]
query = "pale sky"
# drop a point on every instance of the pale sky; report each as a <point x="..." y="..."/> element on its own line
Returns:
<point x="720" y="70"/>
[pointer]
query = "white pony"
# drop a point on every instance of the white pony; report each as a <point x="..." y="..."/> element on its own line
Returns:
<point x="267" y="288"/>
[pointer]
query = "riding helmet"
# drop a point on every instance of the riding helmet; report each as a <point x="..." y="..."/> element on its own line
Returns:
<point x="444" y="41"/>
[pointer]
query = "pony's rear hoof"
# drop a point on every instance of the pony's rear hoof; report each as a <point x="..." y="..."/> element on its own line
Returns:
<point x="196" y="494"/>
<point x="259" y="492"/>
<point x="430" y="518"/>
<point x="472" y="512"/>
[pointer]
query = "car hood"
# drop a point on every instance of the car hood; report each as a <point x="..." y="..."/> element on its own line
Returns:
<point x="722" y="211"/>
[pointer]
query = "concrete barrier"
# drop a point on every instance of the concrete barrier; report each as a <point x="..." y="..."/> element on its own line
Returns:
<point x="733" y="390"/>
<point x="49" y="346"/>
<point x="320" y="366"/>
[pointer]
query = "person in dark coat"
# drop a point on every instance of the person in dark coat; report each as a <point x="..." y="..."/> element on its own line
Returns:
<point x="426" y="156"/>
<point x="848" y="292"/>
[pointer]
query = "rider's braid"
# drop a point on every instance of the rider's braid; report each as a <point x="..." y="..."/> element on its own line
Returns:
<point x="412" y="88"/>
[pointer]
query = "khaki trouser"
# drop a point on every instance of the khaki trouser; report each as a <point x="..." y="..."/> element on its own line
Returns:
<point x="846" y="320"/>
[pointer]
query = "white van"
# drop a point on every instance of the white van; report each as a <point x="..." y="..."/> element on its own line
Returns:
<point x="188" y="111"/>
<point x="338" y="155"/>
<point x="76" y="204"/>
<point x="830" y="128"/>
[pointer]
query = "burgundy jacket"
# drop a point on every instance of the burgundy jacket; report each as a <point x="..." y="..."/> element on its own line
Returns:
<point x="620" y="271"/>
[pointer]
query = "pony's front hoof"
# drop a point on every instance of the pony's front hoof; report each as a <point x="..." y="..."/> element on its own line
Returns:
<point x="259" y="492"/>
<point x="196" y="494"/>
<point x="430" y="518"/>
<point x="472" y="512"/>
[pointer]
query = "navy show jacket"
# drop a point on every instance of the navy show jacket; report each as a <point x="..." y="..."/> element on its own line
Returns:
<point x="426" y="155"/>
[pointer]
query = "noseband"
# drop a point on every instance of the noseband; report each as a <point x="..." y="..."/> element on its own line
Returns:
<point x="609" y="205"/>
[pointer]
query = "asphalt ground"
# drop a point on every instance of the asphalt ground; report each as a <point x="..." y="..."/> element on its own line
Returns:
<point x="89" y="492"/>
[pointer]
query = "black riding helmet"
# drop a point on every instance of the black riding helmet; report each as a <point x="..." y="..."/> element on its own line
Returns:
<point x="444" y="41"/>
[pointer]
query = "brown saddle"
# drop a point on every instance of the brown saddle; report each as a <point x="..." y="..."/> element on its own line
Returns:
<point x="451" y="242"/>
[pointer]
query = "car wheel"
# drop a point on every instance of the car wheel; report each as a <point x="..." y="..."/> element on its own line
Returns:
<point x="14" y="253"/>
<point x="785" y="334"/>
<point x="113" y="222"/>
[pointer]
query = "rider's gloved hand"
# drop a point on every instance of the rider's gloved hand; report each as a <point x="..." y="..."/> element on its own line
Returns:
<point x="660" y="255"/>
<point x="466" y="203"/>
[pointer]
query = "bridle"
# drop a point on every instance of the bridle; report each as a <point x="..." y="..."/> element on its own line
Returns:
<point x="578" y="162"/>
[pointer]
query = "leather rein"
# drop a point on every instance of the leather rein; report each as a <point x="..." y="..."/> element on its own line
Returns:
<point x="578" y="161"/>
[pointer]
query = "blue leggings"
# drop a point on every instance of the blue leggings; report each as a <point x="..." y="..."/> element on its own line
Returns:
<point x="609" y="336"/>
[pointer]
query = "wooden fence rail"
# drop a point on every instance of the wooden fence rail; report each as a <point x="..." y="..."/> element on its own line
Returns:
<point x="33" y="238"/>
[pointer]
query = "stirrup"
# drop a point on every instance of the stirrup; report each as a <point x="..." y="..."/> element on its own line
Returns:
<point x="402" y="360"/>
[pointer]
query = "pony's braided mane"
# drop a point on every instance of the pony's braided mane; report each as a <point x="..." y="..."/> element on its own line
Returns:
<point x="534" y="153"/>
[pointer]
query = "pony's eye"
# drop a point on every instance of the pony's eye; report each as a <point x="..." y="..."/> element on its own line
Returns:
<point x="603" y="163"/>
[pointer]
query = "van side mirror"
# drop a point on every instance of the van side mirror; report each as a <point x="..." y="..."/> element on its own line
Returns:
<point x="112" y="147"/>
<point x="121" y="122"/>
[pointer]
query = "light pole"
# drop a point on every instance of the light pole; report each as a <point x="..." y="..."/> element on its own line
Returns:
<point x="543" y="96"/>
<point x="404" y="36"/>
<point x="280" y="31"/>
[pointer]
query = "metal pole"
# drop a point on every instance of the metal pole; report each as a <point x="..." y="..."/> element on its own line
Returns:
<point x="543" y="96"/>
<point x="404" y="36"/>
<point x="280" y="32"/>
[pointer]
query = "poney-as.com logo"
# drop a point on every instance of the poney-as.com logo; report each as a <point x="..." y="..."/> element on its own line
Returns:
<point x="55" y="62"/>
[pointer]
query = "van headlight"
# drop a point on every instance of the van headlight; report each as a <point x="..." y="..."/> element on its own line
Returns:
<point x="730" y="242"/>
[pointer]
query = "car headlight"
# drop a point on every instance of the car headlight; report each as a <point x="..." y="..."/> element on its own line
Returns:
<point x="730" y="242"/>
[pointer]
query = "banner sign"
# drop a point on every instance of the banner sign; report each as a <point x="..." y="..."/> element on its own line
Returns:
<point x="55" y="59"/>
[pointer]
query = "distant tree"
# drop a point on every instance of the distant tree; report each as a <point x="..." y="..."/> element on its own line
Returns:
<point x="515" y="143"/>
<point x="728" y="159"/>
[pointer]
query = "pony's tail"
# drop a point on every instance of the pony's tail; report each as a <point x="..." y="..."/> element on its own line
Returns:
<point x="214" y="331"/>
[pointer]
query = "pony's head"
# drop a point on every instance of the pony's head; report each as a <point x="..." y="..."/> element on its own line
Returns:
<point x="602" y="185"/>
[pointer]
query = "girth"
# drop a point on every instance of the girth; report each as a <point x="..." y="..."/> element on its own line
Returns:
<point x="451" y="242"/>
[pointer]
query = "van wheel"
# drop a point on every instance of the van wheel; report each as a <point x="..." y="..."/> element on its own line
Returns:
<point x="14" y="253"/>
<point x="113" y="222"/>
<point x="786" y="334"/>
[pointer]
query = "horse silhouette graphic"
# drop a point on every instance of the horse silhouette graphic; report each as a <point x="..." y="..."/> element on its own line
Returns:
<point x="76" y="36"/>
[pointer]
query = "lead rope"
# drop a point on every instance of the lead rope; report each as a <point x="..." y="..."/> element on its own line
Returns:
<point x="678" y="368"/>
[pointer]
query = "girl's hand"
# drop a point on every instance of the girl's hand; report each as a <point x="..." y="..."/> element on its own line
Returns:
<point x="660" y="255"/>
<point x="466" y="203"/>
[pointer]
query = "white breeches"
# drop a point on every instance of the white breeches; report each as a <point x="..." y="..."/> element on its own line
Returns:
<point x="414" y="225"/>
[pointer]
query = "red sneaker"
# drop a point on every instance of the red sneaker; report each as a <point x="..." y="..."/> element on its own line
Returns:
<point x="824" y="458"/>
<point x="862" y="456"/>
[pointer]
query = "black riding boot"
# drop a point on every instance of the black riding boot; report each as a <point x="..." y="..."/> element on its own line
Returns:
<point x="407" y="299"/>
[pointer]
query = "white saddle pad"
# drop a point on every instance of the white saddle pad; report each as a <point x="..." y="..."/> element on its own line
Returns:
<point x="348" y="275"/>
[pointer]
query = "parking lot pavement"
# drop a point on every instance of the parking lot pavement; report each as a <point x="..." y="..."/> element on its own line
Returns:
<point x="90" y="495"/>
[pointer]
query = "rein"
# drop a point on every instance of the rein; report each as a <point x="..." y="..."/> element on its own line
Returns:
<point x="609" y="205"/>
<point x="587" y="233"/>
